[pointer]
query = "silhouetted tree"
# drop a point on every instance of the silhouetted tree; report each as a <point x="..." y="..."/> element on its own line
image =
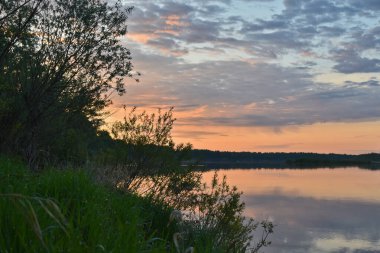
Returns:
<point x="16" y="16"/>
<point x="145" y="148"/>
<point x="65" y="59"/>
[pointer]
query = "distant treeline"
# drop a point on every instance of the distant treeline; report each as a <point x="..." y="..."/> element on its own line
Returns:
<point x="215" y="159"/>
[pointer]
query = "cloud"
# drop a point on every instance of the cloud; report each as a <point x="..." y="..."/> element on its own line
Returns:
<point x="201" y="31"/>
<point x="331" y="31"/>
<point x="282" y="40"/>
<point x="258" y="71"/>
<point x="300" y="26"/>
<point x="281" y="146"/>
<point x="198" y="134"/>
<point x="351" y="62"/>
<point x="370" y="83"/>
<point x="261" y="25"/>
<point x="306" y="224"/>
<point x="236" y="93"/>
<point x="367" y="39"/>
<point x="367" y="5"/>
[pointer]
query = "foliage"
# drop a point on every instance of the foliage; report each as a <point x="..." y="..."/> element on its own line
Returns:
<point x="145" y="129"/>
<point x="24" y="205"/>
<point x="64" y="211"/>
<point x="16" y="16"/>
<point x="60" y="61"/>
<point x="145" y="149"/>
<point x="214" y="220"/>
<point x="62" y="64"/>
<point x="227" y="157"/>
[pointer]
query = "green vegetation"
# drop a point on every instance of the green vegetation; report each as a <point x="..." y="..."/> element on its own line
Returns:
<point x="225" y="159"/>
<point x="65" y="211"/>
<point x="60" y="63"/>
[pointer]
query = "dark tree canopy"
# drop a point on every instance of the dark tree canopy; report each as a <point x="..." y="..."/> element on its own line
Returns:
<point x="16" y="16"/>
<point x="60" y="59"/>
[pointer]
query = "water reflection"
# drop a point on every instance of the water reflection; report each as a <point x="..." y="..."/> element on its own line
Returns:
<point x="316" y="211"/>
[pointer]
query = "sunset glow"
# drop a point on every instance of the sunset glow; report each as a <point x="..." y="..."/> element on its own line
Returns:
<point x="260" y="75"/>
<point x="327" y="184"/>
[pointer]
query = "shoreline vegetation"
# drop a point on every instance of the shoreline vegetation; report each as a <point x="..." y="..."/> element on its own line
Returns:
<point x="208" y="160"/>
<point x="68" y="185"/>
<point x="69" y="210"/>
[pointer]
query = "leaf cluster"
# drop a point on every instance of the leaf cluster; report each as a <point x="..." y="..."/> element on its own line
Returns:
<point x="145" y="129"/>
<point x="60" y="60"/>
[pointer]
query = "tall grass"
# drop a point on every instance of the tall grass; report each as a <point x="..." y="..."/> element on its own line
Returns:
<point x="64" y="211"/>
<point x="67" y="211"/>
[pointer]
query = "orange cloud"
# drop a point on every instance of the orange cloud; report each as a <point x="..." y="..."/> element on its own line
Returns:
<point x="308" y="54"/>
<point x="320" y="138"/>
<point x="142" y="37"/>
<point x="174" y="20"/>
<point x="168" y="31"/>
<point x="192" y="113"/>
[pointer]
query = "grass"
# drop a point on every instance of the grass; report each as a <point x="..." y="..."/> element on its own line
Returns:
<point x="65" y="211"/>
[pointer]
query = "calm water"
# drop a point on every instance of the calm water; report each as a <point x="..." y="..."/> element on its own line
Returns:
<point x="317" y="210"/>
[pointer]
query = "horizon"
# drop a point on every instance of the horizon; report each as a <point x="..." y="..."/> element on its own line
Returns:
<point x="261" y="75"/>
<point x="290" y="152"/>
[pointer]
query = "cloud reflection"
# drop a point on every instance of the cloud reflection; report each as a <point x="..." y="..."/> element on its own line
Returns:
<point x="315" y="225"/>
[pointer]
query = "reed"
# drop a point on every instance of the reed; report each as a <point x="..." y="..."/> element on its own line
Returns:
<point x="64" y="211"/>
<point x="68" y="211"/>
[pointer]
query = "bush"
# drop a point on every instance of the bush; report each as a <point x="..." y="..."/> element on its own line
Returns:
<point x="64" y="211"/>
<point x="213" y="220"/>
<point x="149" y="166"/>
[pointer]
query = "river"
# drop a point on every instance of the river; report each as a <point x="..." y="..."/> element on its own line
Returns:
<point x="315" y="210"/>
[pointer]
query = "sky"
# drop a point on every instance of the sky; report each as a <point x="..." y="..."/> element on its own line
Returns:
<point x="259" y="75"/>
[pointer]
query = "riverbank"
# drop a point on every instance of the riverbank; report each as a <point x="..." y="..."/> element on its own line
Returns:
<point x="65" y="211"/>
<point x="207" y="159"/>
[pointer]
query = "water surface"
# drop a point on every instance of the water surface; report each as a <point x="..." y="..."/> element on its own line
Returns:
<point x="315" y="210"/>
